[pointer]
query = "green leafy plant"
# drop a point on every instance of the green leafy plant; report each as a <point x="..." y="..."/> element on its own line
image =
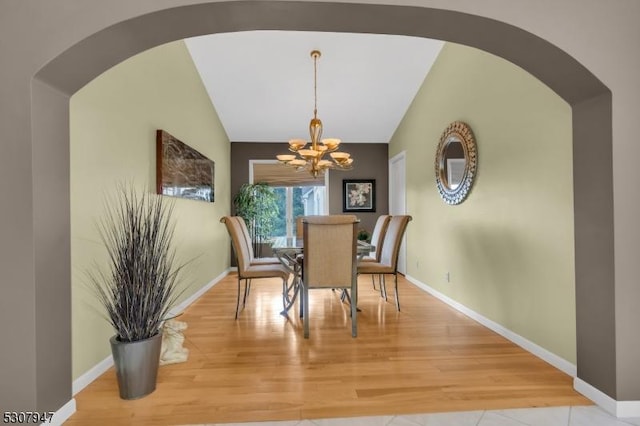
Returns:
<point x="257" y="204"/>
<point x="140" y="284"/>
<point x="363" y="235"/>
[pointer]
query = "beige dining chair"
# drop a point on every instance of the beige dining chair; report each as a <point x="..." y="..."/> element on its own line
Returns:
<point x="253" y="259"/>
<point x="388" y="263"/>
<point x="247" y="236"/>
<point x="247" y="271"/>
<point x="299" y="226"/>
<point x="330" y="247"/>
<point x="377" y="238"/>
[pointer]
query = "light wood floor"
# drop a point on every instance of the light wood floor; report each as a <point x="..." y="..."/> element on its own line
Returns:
<point x="427" y="358"/>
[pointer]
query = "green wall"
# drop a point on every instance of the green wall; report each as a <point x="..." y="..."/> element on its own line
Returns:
<point x="113" y="124"/>
<point x="509" y="247"/>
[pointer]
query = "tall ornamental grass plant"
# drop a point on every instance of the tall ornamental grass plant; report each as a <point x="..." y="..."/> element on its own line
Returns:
<point x="141" y="283"/>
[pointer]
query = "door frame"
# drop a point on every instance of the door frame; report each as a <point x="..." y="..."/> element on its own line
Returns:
<point x="399" y="163"/>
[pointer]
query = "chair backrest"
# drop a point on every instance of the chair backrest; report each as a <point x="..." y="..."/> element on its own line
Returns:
<point x="239" y="242"/>
<point x="393" y="239"/>
<point x="377" y="236"/>
<point x="330" y="251"/>
<point x="247" y="236"/>
<point x="299" y="228"/>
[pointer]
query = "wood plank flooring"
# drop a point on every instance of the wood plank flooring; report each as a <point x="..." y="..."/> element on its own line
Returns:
<point x="427" y="358"/>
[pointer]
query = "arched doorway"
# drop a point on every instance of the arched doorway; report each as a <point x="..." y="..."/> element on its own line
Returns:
<point x="589" y="98"/>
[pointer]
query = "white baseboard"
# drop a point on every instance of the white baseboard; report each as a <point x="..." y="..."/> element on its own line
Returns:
<point x="619" y="409"/>
<point x="92" y="374"/>
<point x="99" y="369"/>
<point x="553" y="359"/>
<point x="63" y="414"/>
<point x="616" y="408"/>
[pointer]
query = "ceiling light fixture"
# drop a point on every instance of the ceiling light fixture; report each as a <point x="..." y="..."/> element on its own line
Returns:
<point x="311" y="159"/>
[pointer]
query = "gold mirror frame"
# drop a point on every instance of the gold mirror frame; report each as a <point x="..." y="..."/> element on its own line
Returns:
<point x="460" y="132"/>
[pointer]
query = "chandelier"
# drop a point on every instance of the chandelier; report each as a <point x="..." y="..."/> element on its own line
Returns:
<point x="312" y="159"/>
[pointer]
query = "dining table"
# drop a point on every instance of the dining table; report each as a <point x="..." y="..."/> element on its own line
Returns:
<point x="289" y="250"/>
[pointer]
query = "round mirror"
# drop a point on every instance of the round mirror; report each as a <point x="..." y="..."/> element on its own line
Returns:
<point x="456" y="162"/>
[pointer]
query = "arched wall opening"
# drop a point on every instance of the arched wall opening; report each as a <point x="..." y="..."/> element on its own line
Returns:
<point x="592" y="155"/>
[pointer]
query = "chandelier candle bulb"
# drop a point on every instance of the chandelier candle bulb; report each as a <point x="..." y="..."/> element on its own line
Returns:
<point x="309" y="154"/>
<point x="331" y="144"/>
<point x="341" y="158"/>
<point x="297" y="163"/>
<point x="285" y="158"/>
<point x="296" y="144"/>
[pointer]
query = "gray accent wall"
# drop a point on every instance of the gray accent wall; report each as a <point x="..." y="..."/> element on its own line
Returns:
<point x="34" y="218"/>
<point x="371" y="161"/>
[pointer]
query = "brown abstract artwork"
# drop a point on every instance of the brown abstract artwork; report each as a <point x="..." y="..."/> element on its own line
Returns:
<point x="181" y="171"/>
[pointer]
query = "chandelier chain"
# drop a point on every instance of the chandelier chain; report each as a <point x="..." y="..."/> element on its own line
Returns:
<point x="315" y="86"/>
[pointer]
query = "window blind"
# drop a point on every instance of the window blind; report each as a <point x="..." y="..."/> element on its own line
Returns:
<point x="276" y="174"/>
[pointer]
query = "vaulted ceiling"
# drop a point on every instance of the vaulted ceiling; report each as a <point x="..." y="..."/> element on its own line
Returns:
<point x="261" y="82"/>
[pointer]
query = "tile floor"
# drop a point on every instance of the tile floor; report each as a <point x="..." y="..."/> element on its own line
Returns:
<point x="551" y="416"/>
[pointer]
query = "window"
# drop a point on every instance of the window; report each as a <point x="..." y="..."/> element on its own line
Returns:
<point x="295" y="201"/>
<point x="298" y="193"/>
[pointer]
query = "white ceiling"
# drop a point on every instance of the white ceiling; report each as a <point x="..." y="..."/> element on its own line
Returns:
<point x="261" y="82"/>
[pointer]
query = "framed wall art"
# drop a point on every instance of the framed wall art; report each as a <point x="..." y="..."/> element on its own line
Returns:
<point x="181" y="171"/>
<point x="358" y="195"/>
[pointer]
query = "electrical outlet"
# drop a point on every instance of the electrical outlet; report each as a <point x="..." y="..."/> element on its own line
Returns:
<point x="447" y="277"/>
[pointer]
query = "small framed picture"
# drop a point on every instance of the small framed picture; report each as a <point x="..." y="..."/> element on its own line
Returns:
<point x="358" y="195"/>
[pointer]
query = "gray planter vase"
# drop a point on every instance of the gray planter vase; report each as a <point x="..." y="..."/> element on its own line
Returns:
<point x="136" y="365"/>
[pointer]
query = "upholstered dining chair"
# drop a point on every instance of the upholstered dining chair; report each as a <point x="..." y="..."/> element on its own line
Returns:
<point x="330" y="260"/>
<point x="247" y="236"/>
<point x="388" y="263"/>
<point x="253" y="259"/>
<point x="246" y="270"/>
<point x="377" y="238"/>
<point x="299" y="226"/>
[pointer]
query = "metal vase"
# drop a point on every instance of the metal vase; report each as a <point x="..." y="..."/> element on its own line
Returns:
<point x="136" y="365"/>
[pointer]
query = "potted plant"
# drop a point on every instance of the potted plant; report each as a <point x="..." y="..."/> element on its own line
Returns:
<point x="363" y="235"/>
<point x="257" y="204"/>
<point x="140" y="284"/>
